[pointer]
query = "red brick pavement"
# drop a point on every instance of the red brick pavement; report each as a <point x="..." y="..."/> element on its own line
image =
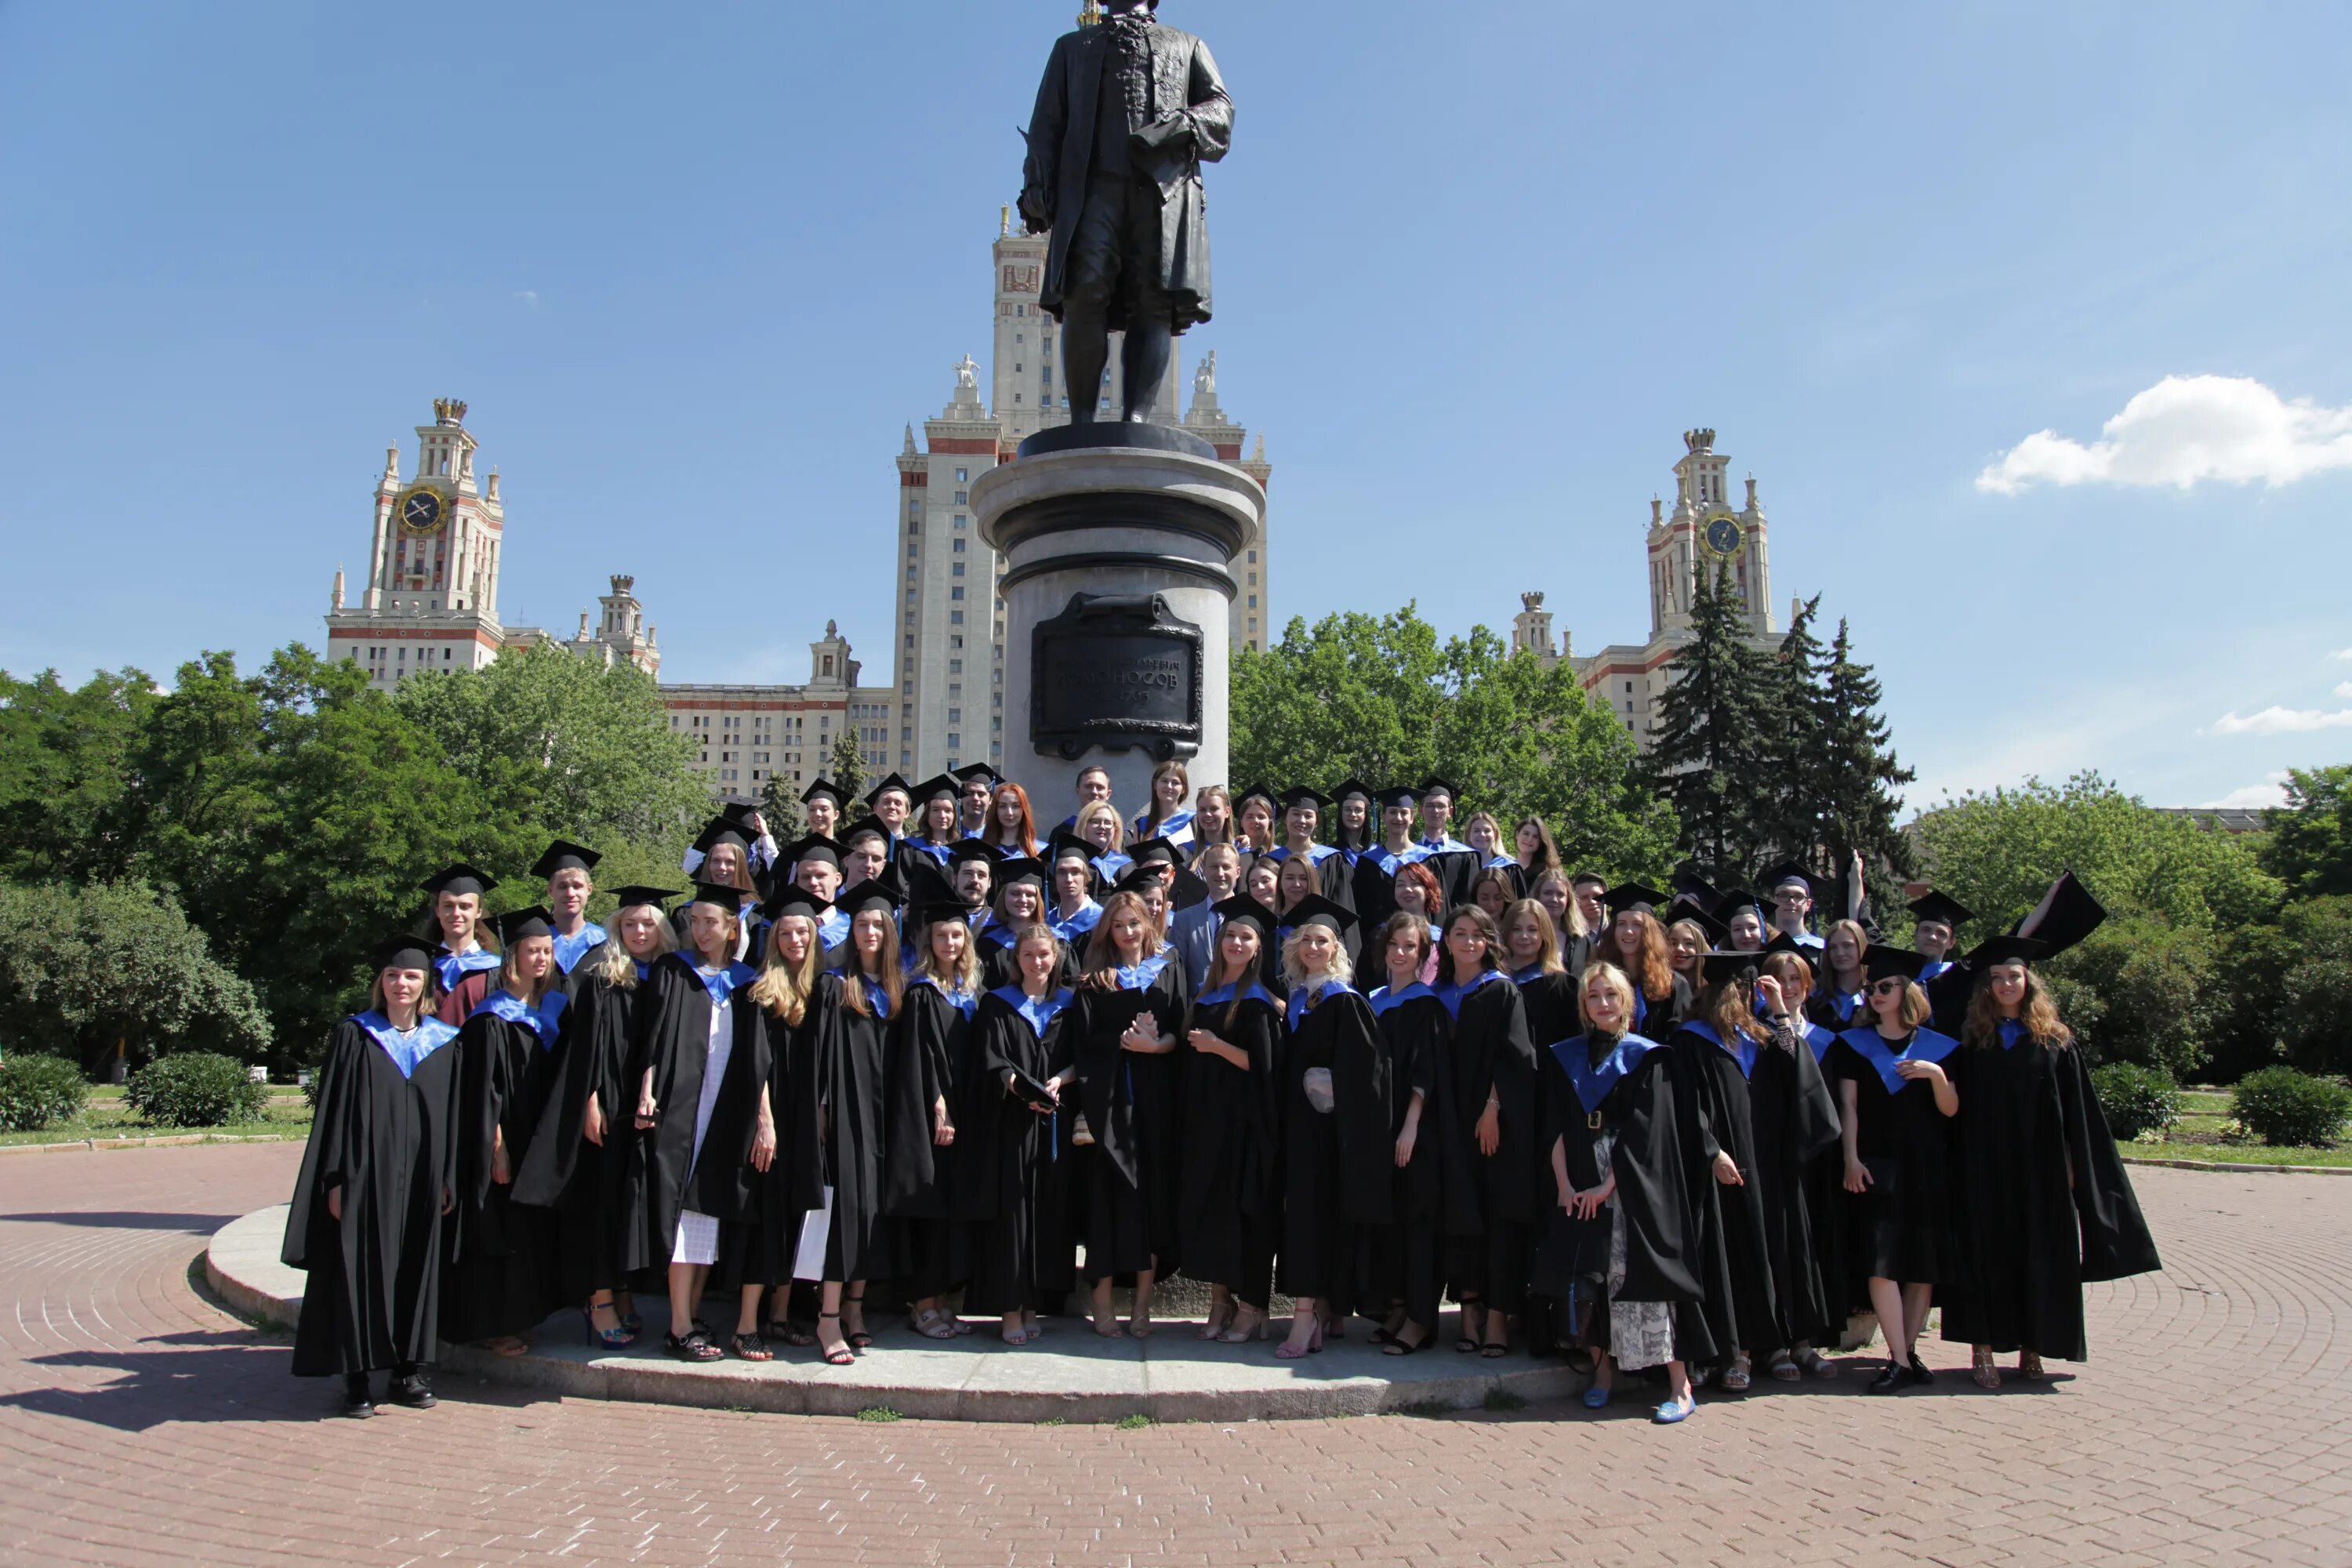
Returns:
<point x="139" y="1424"/>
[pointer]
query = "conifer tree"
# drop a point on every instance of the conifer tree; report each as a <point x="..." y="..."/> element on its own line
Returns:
<point x="1856" y="793"/>
<point x="1709" y="755"/>
<point x="1794" y="742"/>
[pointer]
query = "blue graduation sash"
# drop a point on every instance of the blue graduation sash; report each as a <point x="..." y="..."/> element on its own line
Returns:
<point x="1744" y="1053"/>
<point x="1927" y="1045"/>
<point x="453" y="967"/>
<point x="406" y="1050"/>
<point x="571" y="949"/>
<point x="1452" y="994"/>
<point x="1593" y="1083"/>
<point x="545" y="1023"/>
<point x="966" y="1004"/>
<point x="1303" y="1000"/>
<point x="1384" y="1000"/>
<point x="1036" y="1012"/>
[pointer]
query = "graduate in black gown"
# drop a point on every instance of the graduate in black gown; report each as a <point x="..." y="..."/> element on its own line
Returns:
<point x="571" y="873"/>
<point x="1495" y="1101"/>
<point x="1436" y="1195"/>
<point x="464" y="965"/>
<point x="1453" y="862"/>
<point x="1759" y="1111"/>
<point x="1335" y="873"/>
<point x="378" y="1178"/>
<point x="1621" y="1248"/>
<point x="578" y="1165"/>
<point x="798" y="1005"/>
<point x="2045" y="1203"/>
<point x="1375" y="871"/>
<point x="1896" y="1102"/>
<point x="1822" y="1292"/>
<point x="1533" y="959"/>
<point x="1128" y="1016"/>
<point x="1020" y="903"/>
<point x="1232" y="1120"/>
<point x="935" y="828"/>
<point x="1635" y="942"/>
<point x="1016" y="1148"/>
<point x="933" y="1082"/>
<point x="853" y="1100"/>
<point x="1338" y="1139"/>
<point x="704" y="1126"/>
<point x="500" y="1282"/>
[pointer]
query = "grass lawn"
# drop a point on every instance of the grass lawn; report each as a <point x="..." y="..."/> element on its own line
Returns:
<point x="107" y="1117"/>
<point x="2203" y="1115"/>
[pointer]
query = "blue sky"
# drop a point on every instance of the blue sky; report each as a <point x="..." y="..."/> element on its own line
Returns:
<point x="1477" y="267"/>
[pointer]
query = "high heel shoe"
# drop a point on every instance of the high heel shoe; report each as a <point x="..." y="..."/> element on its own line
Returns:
<point x="1241" y="1333"/>
<point x="1285" y="1352"/>
<point x="611" y="1339"/>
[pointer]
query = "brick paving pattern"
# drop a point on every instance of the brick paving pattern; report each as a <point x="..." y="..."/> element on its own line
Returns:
<point x="139" y="1424"/>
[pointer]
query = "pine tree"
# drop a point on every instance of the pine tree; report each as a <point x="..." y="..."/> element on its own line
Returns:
<point x="1857" y="791"/>
<point x="849" y="768"/>
<point x="1710" y="754"/>
<point x="779" y="808"/>
<point x="1794" y="742"/>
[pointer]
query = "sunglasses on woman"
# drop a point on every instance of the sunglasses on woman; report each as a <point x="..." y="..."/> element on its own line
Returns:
<point x="1888" y="987"/>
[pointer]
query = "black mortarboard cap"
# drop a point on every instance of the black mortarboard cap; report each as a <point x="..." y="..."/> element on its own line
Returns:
<point x="516" y="925"/>
<point x="1316" y="909"/>
<point x="655" y="898"/>
<point x="1187" y="890"/>
<point x="1789" y="871"/>
<point x="827" y="788"/>
<point x="1633" y="895"/>
<point x="1432" y="785"/>
<point x="1256" y="792"/>
<point x="1399" y="794"/>
<point x="1302" y="794"/>
<point x="1894" y="963"/>
<point x="459" y="878"/>
<point x="722" y="830"/>
<point x="2069" y="914"/>
<point x="1354" y="786"/>
<point x="1719" y="966"/>
<point x="566" y="855"/>
<point x="940" y="786"/>
<point x="2008" y="949"/>
<point x="1136" y="878"/>
<point x="1934" y="906"/>
<point x="864" y="827"/>
<point x="1154" y="850"/>
<point x="972" y="771"/>
<point x="1783" y="943"/>
<point x="815" y="847"/>
<point x="882" y="893"/>
<point x="874" y="795"/>
<point x="791" y="899"/>
<point x="403" y="952"/>
<point x="719" y="893"/>
<point x="1689" y="884"/>
<point x="1717" y="933"/>
<point x="926" y="884"/>
<point x="968" y="849"/>
<point x="1242" y="907"/>
<point x="1739" y="898"/>
<point x="1065" y="843"/>
<point x="1020" y="868"/>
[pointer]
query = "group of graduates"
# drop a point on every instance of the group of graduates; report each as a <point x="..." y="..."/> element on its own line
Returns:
<point x="929" y="1061"/>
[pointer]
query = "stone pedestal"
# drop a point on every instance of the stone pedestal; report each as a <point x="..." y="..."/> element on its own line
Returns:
<point x="1144" y="522"/>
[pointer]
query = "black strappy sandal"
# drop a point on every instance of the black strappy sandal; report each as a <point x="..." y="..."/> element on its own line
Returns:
<point x="694" y="1347"/>
<point x="753" y="1347"/>
<point x="844" y="1356"/>
<point x="863" y="1339"/>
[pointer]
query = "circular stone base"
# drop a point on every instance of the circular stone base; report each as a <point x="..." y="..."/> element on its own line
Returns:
<point x="1073" y="1374"/>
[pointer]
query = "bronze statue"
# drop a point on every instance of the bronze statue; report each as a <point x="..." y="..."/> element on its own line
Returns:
<point x="1127" y="113"/>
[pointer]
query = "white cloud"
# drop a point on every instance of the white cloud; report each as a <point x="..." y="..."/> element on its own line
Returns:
<point x="2183" y="429"/>
<point x="2275" y="720"/>
<point x="2271" y="791"/>
<point x="2342" y="654"/>
<point x="2345" y="690"/>
<point x="529" y="297"/>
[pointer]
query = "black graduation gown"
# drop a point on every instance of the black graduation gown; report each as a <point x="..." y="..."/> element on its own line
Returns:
<point x="852" y="1073"/>
<point x="759" y="1246"/>
<point x="1772" y="1113"/>
<point x="1659" y="1020"/>
<point x="501" y="1277"/>
<point x="374" y="1297"/>
<point x="1455" y="869"/>
<point x="1637" y="1109"/>
<point x="1901" y="1228"/>
<point x="933" y="1054"/>
<point x="1339" y="1167"/>
<point x="1129" y="1176"/>
<point x="1437" y="1192"/>
<point x="1012" y="1193"/>
<point x="667" y="1175"/>
<point x="1232" y="1200"/>
<point x="586" y="1184"/>
<point x="1494" y="1053"/>
<point x="2030" y="1119"/>
<point x="575" y="980"/>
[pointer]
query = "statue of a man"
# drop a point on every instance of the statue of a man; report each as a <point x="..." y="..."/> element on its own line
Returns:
<point x="1127" y="113"/>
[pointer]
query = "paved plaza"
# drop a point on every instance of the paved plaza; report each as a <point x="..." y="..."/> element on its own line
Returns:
<point x="140" y="1424"/>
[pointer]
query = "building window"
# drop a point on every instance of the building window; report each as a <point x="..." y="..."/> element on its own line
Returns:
<point x="1252" y="601"/>
<point x="955" y="666"/>
<point x="955" y="716"/>
<point x="962" y="521"/>
<point x="956" y="569"/>
<point x="963" y="497"/>
<point x="1253" y="557"/>
<point x="959" y="550"/>
<point x="955" y="642"/>
<point x="963" y="475"/>
<point x="954" y="739"/>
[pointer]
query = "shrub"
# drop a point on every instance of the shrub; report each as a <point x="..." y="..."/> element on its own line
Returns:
<point x="38" y="1091"/>
<point x="197" y="1090"/>
<point x="2289" y="1110"/>
<point x="2138" y="1100"/>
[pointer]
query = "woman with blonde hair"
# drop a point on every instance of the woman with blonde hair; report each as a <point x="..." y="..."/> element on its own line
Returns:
<point x="931" y="1086"/>
<point x="578" y="1164"/>
<point x="1338" y="1138"/>
<point x="1099" y="827"/>
<point x="1838" y="1002"/>
<point x="1620" y="1244"/>
<point x="2044" y="1203"/>
<point x="1557" y="894"/>
<point x="1129" y="1015"/>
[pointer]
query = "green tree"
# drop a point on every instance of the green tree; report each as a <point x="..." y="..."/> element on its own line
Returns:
<point x="85" y="972"/>
<point x="779" y="808"/>
<point x="1998" y="852"/>
<point x="1856" y="784"/>
<point x="1381" y="699"/>
<point x="62" y="756"/>
<point x="2310" y="841"/>
<point x="1711" y="753"/>
<point x="1795" y="787"/>
<point x="848" y="768"/>
<point x="580" y="750"/>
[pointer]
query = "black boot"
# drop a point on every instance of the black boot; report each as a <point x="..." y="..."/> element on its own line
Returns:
<point x="409" y="1389"/>
<point x="356" y="1403"/>
<point x="1919" y="1371"/>
<point x="1892" y="1378"/>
